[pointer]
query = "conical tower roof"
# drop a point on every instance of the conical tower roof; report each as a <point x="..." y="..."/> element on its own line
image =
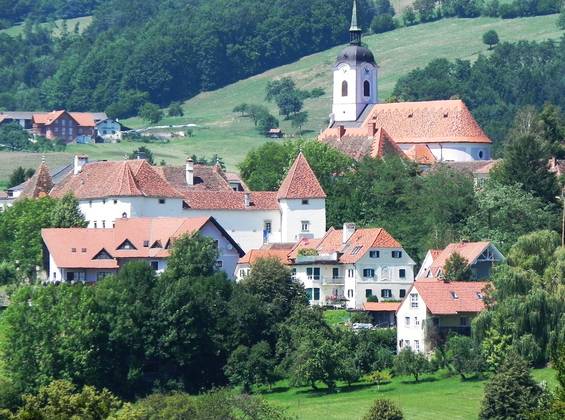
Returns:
<point x="300" y="182"/>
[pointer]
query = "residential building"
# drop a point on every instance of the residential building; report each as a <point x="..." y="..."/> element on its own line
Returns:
<point x="433" y="308"/>
<point x="428" y="131"/>
<point x="383" y="314"/>
<point x="108" y="130"/>
<point x="107" y="191"/>
<point x="67" y="126"/>
<point x="87" y="255"/>
<point x="345" y="267"/>
<point x="481" y="256"/>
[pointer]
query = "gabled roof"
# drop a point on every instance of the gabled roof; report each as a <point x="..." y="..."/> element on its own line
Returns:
<point x="451" y="298"/>
<point x="142" y="233"/>
<point x="255" y="254"/>
<point x="47" y="118"/>
<point x="132" y="178"/>
<point x="383" y="145"/>
<point x="300" y="182"/>
<point x="39" y="185"/>
<point x="206" y="177"/>
<point x="83" y="119"/>
<point x="471" y="251"/>
<point x="421" y="153"/>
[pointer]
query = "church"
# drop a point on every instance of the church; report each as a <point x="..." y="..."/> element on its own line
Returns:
<point x="427" y="132"/>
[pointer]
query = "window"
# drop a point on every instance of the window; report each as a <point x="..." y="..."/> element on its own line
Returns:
<point x="356" y="250"/>
<point x="407" y="321"/>
<point x="73" y="250"/>
<point x="416" y="321"/>
<point x="242" y="273"/>
<point x="89" y="203"/>
<point x="402" y="273"/>
<point x="349" y="293"/>
<point x="481" y="154"/>
<point x="480" y="296"/>
<point x="267" y="226"/>
<point x="402" y="293"/>
<point x="313" y="293"/>
<point x="350" y="273"/>
<point x="435" y="322"/>
<point x="126" y="245"/>
<point x="366" y="88"/>
<point x="83" y="250"/>
<point x="369" y="273"/>
<point x="368" y="292"/>
<point x="146" y="244"/>
<point x="344" y="88"/>
<point x="417" y="345"/>
<point x="102" y="255"/>
<point x="454" y="295"/>
<point x="115" y="201"/>
<point x="305" y="225"/>
<point x="155" y="265"/>
<point x="104" y="201"/>
<point x="219" y="264"/>
<point x="124" y="215"/>
<point x="396" y="254"/>
<point x="103" y="224"/>
<point x="161" y="201"/>
<point x="374" y="254"/>
<point x="386" y="293"/>
<point x="316" y="293"/>
<point x="407" y="343"/>
<point x="305" y="202"/>
<point x="335" y="273"/>
<point x="464" y="321"/>
<point x="95" y="225"/>
<point x="313" y="273"/>
<point x="293" y="274"/>
<point x="54" y="275"/>
<point x="413" y="300"/>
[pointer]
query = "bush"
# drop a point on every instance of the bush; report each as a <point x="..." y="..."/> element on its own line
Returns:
<point x="490" y="38"/>
<point x="408" y="362"/>
<point x="382" y="23"/>
<point x="379" y="378"/>
<point x="175" y="109"/>
<point x="383" y="409"/>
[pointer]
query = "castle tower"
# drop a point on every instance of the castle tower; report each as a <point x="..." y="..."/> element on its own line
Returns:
<point x="355" y="77"/>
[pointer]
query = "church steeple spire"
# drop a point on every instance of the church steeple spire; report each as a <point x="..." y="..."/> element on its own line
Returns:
<point x="354" y="30"/>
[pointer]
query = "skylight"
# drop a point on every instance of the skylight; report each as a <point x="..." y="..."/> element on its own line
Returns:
<point x="454" y="295"/>
<point x="356" y="250"/>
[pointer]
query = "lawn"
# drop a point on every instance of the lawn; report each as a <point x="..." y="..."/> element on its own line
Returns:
<point x="56" y="25"/>
<point x="437" y="397"/>
<point x="397" y="52"/>
<point x="336" y="316"/>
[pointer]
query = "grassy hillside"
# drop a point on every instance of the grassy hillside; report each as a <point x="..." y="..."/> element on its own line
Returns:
<point x="436" y="397"/>
<point x="57" y="25"/>
<point x="396" y="52"/>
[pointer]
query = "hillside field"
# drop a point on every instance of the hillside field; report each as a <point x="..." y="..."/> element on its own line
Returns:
<point x="57" y="25"/>
<point x="436" y="397"/>
<point x="397" y="53"/>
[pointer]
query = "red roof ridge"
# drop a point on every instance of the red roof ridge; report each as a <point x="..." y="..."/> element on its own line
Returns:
<point x="300" y="181"/>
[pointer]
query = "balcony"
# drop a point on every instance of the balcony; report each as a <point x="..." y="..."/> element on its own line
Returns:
<point x="332" y="281"/>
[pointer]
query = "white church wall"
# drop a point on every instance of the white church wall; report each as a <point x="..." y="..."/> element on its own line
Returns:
<point x="295" y="212"/>
<point x="456" y="152"/>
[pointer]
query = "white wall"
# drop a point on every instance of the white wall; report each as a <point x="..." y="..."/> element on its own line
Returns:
<point x="294" y="212"/>
<point x="456" y="152"/>
<point x="348" y="108"/>
<point x="415" y="329"/>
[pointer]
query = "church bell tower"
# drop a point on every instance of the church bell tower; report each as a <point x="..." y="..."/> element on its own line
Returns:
<point x="354" y="77"/>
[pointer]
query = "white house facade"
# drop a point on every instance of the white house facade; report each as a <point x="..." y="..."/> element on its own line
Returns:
<point x="433" y="308"/>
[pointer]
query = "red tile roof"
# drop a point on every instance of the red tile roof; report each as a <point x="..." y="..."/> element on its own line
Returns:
<point x="83" y="119"/>
<point x="451" y="298"/>
<point x="468" y="250"/>
<point x="231" y="200"/>
<point x="47" y="118"/>
<point x="300" y="182"/>
<point x="421" y="153"/>
<point x="383" y="145"/>
<point x="132" y="178"/>
<point x="39" y="185"/>
<point x="206" y="177"/>
<point x="155" y="232"/>
<point x="381" y="306"/>
<point x="255" y="254"/>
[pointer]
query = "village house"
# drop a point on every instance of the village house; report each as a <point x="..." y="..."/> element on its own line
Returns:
<point x="344" y="267"/>
<point x="427" y="132"/>
<point x="107" y="191"/>
<point x="87" y="255"/>
<point x="433" y="308"/>
<point x="481" y="256"/>
<point x="67" y="126"/>
<point x="108" y="130"/>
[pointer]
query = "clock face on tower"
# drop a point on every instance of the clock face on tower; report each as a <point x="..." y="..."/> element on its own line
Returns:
<point x="367" y="70"/>
<point x="343" y="68"/>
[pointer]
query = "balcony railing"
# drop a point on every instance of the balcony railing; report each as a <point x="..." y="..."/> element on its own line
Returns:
<point x="331" y="280"/>
<point x="315" y="277"/>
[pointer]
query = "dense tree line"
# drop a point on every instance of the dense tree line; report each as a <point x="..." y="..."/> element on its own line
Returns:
<point x="494" y="87"/>
<point x="138" y="51"/>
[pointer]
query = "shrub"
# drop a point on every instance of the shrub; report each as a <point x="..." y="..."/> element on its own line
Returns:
<point x="490" y="38"/>
<point x="379" y="378"/>
<point x="408" y="362"/>
<point x="383" y="409"/>
<point x="382" y="23"/>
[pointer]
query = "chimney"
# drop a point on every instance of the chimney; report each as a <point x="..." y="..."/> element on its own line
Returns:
<point x="189" y="171"/>
<point x="371" y="129"/>
<point x="348" y="230"/>
<point x="80" y="161"/>
<point x="247" y="199"/>
<point x="341" y="131"/>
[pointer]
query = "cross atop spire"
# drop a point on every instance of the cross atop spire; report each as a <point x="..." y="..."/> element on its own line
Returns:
<point x="354" y="30"/>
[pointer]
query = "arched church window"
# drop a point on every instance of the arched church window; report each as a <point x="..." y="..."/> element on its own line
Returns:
<point x="344" y="88"/>
<point x="366" y="88"/>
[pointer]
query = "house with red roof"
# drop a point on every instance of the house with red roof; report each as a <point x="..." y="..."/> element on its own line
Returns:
<point x="434" y="308"/>
<point x="344" y="267"/>
<point x="481" y="256"/>
<point x="111" y="190"/>
<point x="67" y="126"/>
<point x="427" y="131"/>
<point x="88" y="255"/>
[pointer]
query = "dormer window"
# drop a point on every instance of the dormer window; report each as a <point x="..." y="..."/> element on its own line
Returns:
<point x="102" y="255"/>
<point x="146" y="244"/>
<point x="454" y="295"/>
<point x="157" y="244"/>
<point x="83" y="250"/>
<point x="126" y="245"/>
<point x="73" y="250"/>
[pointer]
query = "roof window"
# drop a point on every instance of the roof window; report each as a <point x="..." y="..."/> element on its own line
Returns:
<point x="480" y="296"/>
<point x="445" y="115"/>
<point x="454" y="295"/>
<point x="356" y="250"/>
<point x="145" y="244"/>
<point x="73" y="250"/>
<point x="83" y="250"/>
<point x="410" y="115"/>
